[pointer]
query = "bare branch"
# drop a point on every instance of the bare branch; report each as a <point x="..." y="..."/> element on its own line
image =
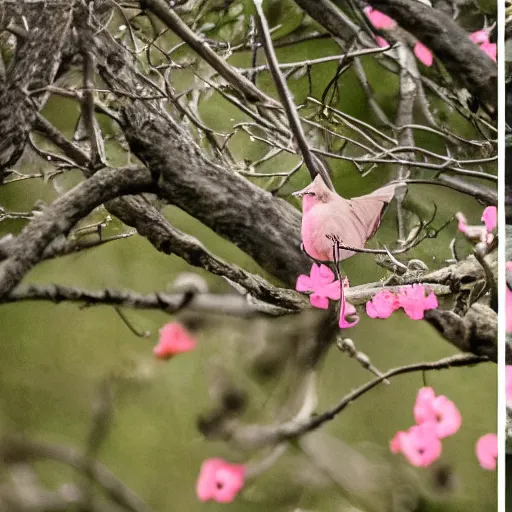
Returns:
<point x="238" y="81"/>
<point x="63" y="214"/>
<point x="253" y="436"/>
<point x="314" y="165"/>
<point x="149" y="222"/>
<point x="36" y="63"/>
<point x="13" y="449"/>
<point x="234" y="305"/>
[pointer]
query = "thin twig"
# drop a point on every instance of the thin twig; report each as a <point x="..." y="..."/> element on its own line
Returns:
<point x="259" y="435"/>
<point x="313" y="164"/>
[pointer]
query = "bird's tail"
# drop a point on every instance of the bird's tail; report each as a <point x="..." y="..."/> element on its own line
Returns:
<point x="387" y="192"/>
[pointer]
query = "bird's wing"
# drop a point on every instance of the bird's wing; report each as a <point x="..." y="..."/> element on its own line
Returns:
<point x="370" y="208"/>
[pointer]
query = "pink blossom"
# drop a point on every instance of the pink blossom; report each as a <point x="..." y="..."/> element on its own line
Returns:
<point x="395" y="443"/>
<point x="480" y="36"/>
<point x="174" y="339"/>
<point x="487" y="451"/>
<point x="219" y="480"/>
<point x="420" y="444"/>
<point x="381" y="41"/>
<point x="382" y="305"/>
<point x="490" y="218"/>
<point x="423" y="54"/>
<point x="378" y="19"/>
<point x="347" y="310"/>
<point x="322" y="285"/>
<point x="462" y="225"/>
<point x="426" y="395"/>
<point x="508" y="302"/>
<point x="440" y="411"/>
<point x="412" y="299"/>
<point x="508" y="382"/>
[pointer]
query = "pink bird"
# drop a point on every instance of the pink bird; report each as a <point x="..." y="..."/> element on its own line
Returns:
<point x="352" y="221"/>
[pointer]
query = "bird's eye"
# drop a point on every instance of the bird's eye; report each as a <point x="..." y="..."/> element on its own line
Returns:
<point x="310" y="193"/>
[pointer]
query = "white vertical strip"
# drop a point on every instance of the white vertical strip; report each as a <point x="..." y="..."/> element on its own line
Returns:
<point x="502" y="413"/>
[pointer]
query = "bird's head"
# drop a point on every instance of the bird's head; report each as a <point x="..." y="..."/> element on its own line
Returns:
<point x="316" y="192"/>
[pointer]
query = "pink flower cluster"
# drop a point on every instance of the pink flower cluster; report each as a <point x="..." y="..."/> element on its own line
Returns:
<point x="322" y="286"/>
<point x="174" y="339"/>
<point x="436" y="417"/>
<point x="411" y="298"/>
<point x="219" y="481"/>
<point x="381" y="21"/>
<point x="481" y="38"/>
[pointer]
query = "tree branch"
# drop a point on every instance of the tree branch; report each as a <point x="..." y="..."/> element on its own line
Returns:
<point x="63" y="214"/>
<point x="254" y="436"/>
<point x="205" y="303"/>
<point x="35" y="66"/>
<point x="238" y="81"/>
<point x="149" y="222"/>
<point x="17" y="449"/>
<point x="444" y="36"/>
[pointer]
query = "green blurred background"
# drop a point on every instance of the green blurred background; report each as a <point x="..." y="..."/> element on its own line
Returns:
<point x="54" y="356"/>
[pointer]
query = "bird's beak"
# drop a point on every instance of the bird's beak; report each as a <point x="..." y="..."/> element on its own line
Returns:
<point x="299" y="193"/>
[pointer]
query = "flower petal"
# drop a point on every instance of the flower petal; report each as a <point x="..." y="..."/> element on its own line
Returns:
<point x="395" y="445"/>
<point x="413" y="301"/>
<point x="204" y="487"/>
<point x="508" y="310"/>
<point x="508" y="382"/>
<point x="490" y="218"/>
<point x="371" y="310"/>
<point x="423" y="54"/>
<point x="381" y="42"/>
<point x="382" y="304"/>
<point x="332" y="291"/>
<point x="449" y="419"/>
<point x="431" y="301"/>
<point x="487" y="451"/>
<point x="303" y="284"/>
<point x="480" y="36"/>
<point x="463" y="222"/>
<point x="174" y="339"/>
<point x="219" y="480"/>
<point x="423" y="408"/>
<point x="420" y="445"/>
<point x="378" y="19"/>
<point x="345" y="324"/>
<point x="319" y="301"/>
<point x="490" y="50"/>
<point x="326" y="274"/>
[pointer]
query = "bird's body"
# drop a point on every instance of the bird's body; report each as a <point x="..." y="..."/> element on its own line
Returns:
<point x="352" y="221"/>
